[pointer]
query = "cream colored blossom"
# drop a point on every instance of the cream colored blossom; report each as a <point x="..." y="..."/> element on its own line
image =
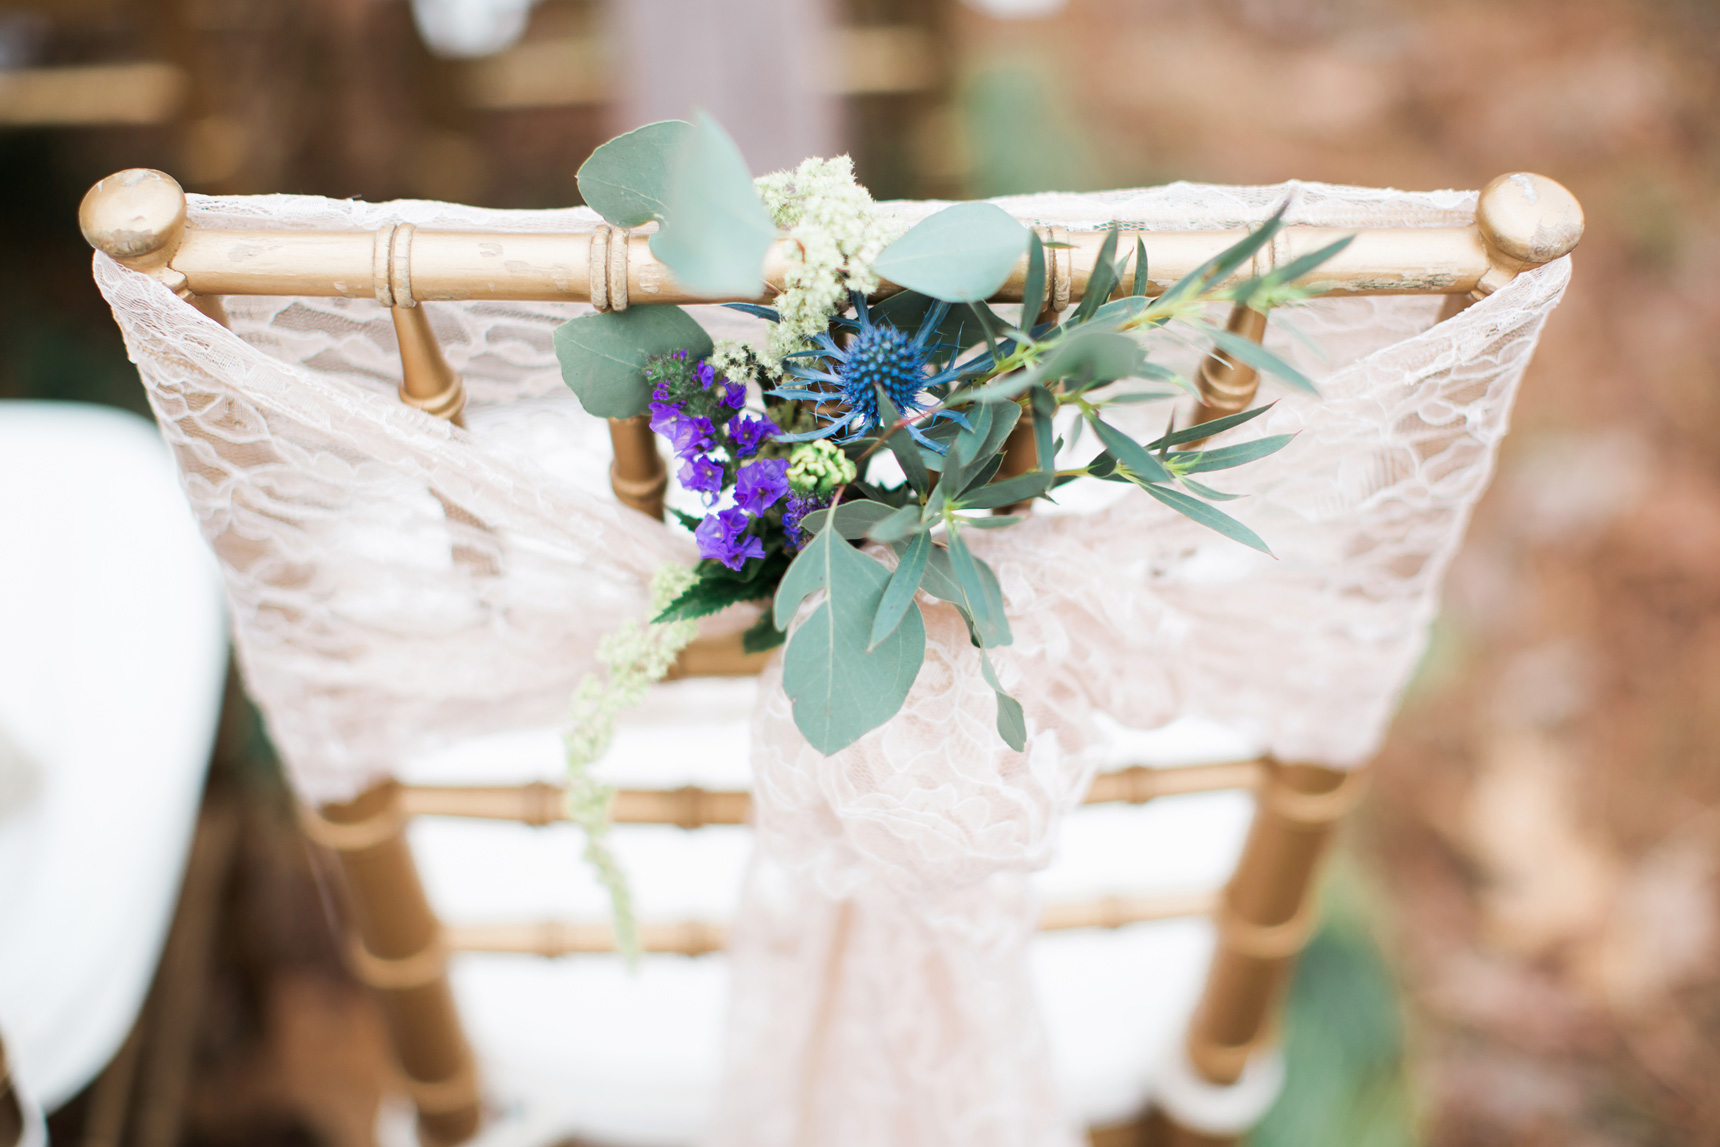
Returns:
<point x="836" y="233"/>
<point x="636" y="657"/>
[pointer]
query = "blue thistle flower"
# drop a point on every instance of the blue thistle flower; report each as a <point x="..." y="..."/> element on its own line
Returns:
<point x="878" y="356"/>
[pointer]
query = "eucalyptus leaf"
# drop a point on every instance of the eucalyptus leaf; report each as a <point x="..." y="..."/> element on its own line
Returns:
<point x="1128" y="452"/>
<point x="1006" y="493"/>
<point x="715" y="230"/>
<point x="899" y="594"/>
<point x="1208" y="492"/>
<point x="1141" y="279"/>
<point x="939" y="578"/>
<point x="1225" y="457"/>
<point x="627" y="179"/>
<point x="1033" y="288"/>
<point x="853" y="519"/>
<point x="994" y="522"/>
<point x="1227" y="260"/>
<point x="982" y="597"/>
<point x="603" y="355"/>
<point x="1101" y="281"/>
<point x="841" y="685"/>
<point x="770" y="314"/>
<point x="1261" y="359"/>
<point x="963" y="254"/>
<point x="903" y="523"/>
<point x="1208" y="429"/>
<point x="1011" y="721"/>
<point x="1089" y="357"/>
<point x="1196" y="510"/>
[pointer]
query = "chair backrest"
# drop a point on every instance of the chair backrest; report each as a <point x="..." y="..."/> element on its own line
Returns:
<point x="291" y="456"/>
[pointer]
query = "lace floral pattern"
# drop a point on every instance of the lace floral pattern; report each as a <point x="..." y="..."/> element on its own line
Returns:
<point x="397" y="583"/>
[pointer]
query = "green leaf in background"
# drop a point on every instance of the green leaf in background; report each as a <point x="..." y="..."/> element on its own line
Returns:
<point x="1225" y="457"/>
<point x="1011" y="721"/>
<point x="1261" y="359"/>
<point x="603" y="355"/>
<point x="1128" y="452"/>
<point x="1141" y="281"/>
<point x="627" y="179"/>
<point x="899" y="594"/>
<point x="1100" y="282"/>
<point x="1198" y="511"/>
<point x="853" y="519"/>
<point x="1033" y="288"/>
<point x="715" y="230"/>
<point x="842" y="686"/>
<point x="963" y="254"/>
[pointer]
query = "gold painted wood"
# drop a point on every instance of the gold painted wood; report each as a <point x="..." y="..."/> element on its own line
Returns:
<point x="1227" y="385"/>
<point x="426" y="379"/>
<point x="637" y="475"/>
<point x="541" y="803"/>
<point x="1522" y="219"/>
<point x="555" y="938"/>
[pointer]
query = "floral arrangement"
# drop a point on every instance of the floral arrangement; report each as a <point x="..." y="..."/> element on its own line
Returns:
<point x="890" y="406"/>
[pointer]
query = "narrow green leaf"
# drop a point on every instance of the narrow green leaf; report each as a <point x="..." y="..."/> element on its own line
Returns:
<point x="603" y="356"/>
<point x="1033" y="288"/>
<point x="993" y="521"/>
<point x="1208" y="492"/>
<point x="1100" y="282"/>
<point x="899" y="594"/>
<point x="1225" y="457"/>
<point x="627" y="179"/>
<point x="939" y="578"/>
<point x="1007" y="492"/>
<point x="1141" y="280"/>
<point x="1128" y="452"/>
<point x="1208" y="429"/>
<point x="981" y="594"/>
<point x="1011" y="721"/>
<point x="1261" y="359"/>
<point x="962" y="254"/>
<point x="1196" y="510"/>
<point x="715" y="230"/>
<point x="1227" y="260"/>
<point x="903" y="523"/>
<point x="853" y="519"/>
<point x="1044" y="439"/>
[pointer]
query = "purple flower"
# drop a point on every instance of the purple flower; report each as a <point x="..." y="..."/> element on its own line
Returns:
<point x="722" y="536"/>
<point x="748" y="433"/>
<point x="792" y="515"/>
<point x="665" y="417"/>
<point x="702" y="474"/>
<point x="760" y="484"/>
<point x="705" y="375"/>
<point x="734" y="394"/>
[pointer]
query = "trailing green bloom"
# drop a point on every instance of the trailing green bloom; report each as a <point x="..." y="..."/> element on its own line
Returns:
<point x="636" y="657"/>
<point x="836" y="235"/>
<point x="817" y="468"/>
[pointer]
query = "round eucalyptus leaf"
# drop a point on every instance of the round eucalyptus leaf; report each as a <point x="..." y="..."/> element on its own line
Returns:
<point x="715" y="230"/>
<point x="603" y="355"/>
<point x="627" y="179"/>
<point x="961" y="255"/>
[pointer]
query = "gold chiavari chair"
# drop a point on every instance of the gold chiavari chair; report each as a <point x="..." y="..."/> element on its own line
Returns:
<point x="1264" y="914"/>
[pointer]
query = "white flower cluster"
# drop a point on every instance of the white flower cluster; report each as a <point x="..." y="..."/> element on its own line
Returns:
<point x="636" y="657"/>
<point x="836" y="235"/>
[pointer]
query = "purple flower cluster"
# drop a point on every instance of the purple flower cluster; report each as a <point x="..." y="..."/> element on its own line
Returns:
<point x="680" y="393"/>
<point x="794" y="513"/>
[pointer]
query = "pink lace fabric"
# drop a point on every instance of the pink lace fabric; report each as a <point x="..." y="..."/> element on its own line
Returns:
<point x="397" y="584"/>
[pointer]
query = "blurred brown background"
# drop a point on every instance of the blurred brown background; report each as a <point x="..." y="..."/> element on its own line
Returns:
<point x="1522" y="945"/>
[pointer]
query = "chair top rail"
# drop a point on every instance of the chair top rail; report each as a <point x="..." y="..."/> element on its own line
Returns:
<point x="139" y="218"/>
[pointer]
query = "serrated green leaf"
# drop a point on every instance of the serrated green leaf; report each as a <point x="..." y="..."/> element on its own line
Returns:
<point x="603" y="355"/>
<point x="899" y="594"/>
<point x="715" y="230"/>
<point x="627" y="179"/>
<point x="840" y="687"/>
<point x="1128" y="452"/>
<point x="962" y="254"/>
<point x="1198" y="511"/>
<point x="1261" y="359"/>
<point x="1200" y="461"/>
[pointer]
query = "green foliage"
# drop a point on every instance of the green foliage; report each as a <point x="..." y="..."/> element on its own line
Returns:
<point x="842" y="684"/>
<point x="962" y="254"/>
<point x="603" y="356"/>
<point x="715" y="230"/>
<point x="627" y="179"/>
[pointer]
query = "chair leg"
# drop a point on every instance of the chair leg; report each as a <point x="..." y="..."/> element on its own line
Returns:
<point x="1266" y="917"/>
<point x="396" y="949"/>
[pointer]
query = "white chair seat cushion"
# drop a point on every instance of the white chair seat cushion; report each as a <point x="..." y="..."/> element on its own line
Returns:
<point x="112" y="662"/>
<point x="581" y="1046"/>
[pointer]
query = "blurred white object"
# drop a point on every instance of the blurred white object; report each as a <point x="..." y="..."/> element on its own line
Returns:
<point x="1017" y="9"/>
<point x="466" y="29"/>
<point x="113" y="655"/>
